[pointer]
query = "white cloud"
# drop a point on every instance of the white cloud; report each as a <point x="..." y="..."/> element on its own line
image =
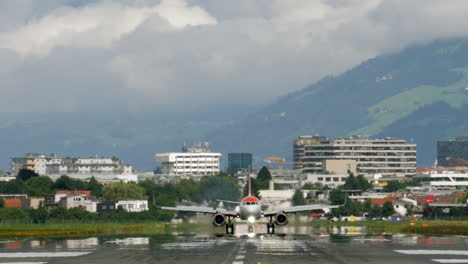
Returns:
<point x="142" y="54"/>
<point x="96" y="25"/>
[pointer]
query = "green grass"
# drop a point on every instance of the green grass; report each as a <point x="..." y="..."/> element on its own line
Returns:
<point x="60" y="229"/>
<point x="155" y="228"/>
<point x="401" y="105"/>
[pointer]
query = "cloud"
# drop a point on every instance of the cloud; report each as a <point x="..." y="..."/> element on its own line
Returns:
<point x="96" y="25"/>
<point x="147" y="55"/>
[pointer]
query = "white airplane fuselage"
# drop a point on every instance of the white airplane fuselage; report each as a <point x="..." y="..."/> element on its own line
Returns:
<point x="250" y="209"/>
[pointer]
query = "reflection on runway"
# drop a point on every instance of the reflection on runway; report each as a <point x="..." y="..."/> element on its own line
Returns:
<point x="290" y="245"/>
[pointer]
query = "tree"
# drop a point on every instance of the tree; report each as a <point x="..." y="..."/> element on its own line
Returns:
<point x="67" y="183"/>
<point x="264" y="174"/>
<point x="363" y="183"/>
<point x="375" y="211"/>
<point x="387" y="209"/>
<point x="337" y="196"/>
<point x="351" y="183"/>
<point x="392" y="186"/>
<point x="95" y="187"/>
<point x="298" y="198"/>
<point x="214" y="188"/>
<point x="123" y="191"/>
<point x="25" y="174"/>
<point x="255" y="188"/>
<point x="366" y="207"/>
<point x="14" y="186"/>
<point x="39" y="186"/>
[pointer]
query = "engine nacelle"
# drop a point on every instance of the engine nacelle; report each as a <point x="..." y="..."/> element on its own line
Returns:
<point x="281" y="219"/>
<point x="219" y="220"/>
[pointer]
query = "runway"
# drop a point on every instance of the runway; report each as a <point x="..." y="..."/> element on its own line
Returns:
<point x="292" y="246"/>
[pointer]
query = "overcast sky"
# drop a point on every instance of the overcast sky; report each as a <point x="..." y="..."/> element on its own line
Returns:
<point x="140" y="55"/>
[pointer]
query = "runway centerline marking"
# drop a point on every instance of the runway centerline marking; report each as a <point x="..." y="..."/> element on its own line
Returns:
<point x="43" y="254"/>
<point x="433" y="252"/>
<point x="238" y="262"/>
<point x="450" y="260"/>
<point x="240" y="257"/>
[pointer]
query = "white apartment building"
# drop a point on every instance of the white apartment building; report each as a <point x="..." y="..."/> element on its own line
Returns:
<point x="388" y="156"/>
<point x="196" y="161"/>
<point x="449" y="179"/>
<point x="103" y="169"/>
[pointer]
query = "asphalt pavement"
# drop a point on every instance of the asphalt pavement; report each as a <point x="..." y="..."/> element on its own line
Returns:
<point x="292" y="245"/>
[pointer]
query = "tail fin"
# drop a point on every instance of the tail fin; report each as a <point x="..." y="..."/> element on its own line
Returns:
<point x="249" y="182"/>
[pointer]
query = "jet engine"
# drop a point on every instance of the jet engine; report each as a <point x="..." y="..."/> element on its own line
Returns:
<point x="281" y="219"/>
<point x="219" y="220"/>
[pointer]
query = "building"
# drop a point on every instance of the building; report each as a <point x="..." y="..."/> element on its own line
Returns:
<point x="195" y="161"/>
<point x="449" y="179"/>
<point x="77" y="200"/>
<point x="299" y="148"/>
<point x="453" y="153"/>
<point x="133" y="205"/>
<point x="103" y="169"/>
<point x="330" y="166"/>
<point x="386" y="156"/>
<point x="6" y="176"/>
<point x="332" y="180"/>
<point x="239" y="162"/>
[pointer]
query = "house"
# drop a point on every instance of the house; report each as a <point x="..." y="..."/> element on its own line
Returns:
<point x="133" y="205"/>
<point x="33" y="202"/>
<point x="12" y="200"/>
<point x="106" y="206"/>
<point x="77" y="200"/>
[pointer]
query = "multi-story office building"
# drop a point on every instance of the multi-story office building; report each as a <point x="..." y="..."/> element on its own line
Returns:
<point x="195" y="161"/>
<point x="386" y="156"/>
<point x="299" y="148"/>
<point x="239" y="162"/>
<point x="453" y="153"/>
<point x="105" y="169"/>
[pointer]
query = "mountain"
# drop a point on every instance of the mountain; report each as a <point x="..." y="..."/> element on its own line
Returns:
<point x="419" y="94"/>
<point x="134" y="137"/>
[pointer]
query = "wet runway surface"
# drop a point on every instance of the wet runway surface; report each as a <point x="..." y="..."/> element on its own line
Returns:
<point x="294" y="245"/>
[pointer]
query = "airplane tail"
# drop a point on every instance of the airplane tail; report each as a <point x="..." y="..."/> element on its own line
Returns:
<point x="249" y="182"/>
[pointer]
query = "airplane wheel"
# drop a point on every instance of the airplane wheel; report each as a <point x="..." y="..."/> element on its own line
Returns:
<point x="270" y="228"/>
<point x="230" y="229"/>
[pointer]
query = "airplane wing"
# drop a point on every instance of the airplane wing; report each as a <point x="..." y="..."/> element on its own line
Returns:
<point x="300" y="208"/>
<point x="225" y="201"/>
<point x="200" y="209"/>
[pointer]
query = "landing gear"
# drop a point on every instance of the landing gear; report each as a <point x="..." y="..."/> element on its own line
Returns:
<point x="270" y="228"/>
<point x="230" y="228"/>
<point x="250" y="228"/>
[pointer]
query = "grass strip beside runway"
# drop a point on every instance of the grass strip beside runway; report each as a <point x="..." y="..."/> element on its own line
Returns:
<point x="77" y="229"/>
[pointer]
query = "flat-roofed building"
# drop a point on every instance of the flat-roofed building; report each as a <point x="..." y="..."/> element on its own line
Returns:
<point x="103" y="169"/>
<point x="239" y="162"/>
<point x="195" y="161"/>
<point x="299" y="148"/>
<point x="386" y="156"/>
<point x="449" y="179"/>
<point x="453" y="154"/>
